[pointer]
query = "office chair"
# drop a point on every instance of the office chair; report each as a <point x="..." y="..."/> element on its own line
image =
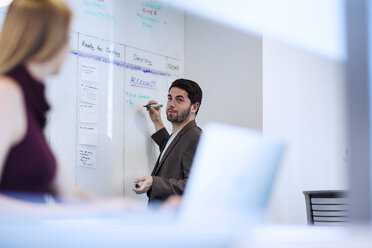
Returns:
<point x="327" y="207"/>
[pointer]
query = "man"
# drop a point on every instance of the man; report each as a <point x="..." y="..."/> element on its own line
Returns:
<point x="177" y="150"/>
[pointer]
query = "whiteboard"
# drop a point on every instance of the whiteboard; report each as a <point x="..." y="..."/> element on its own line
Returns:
<point x="120" y="59"/>
<point x="123" y="54"/>
<point x="148" y="25"/>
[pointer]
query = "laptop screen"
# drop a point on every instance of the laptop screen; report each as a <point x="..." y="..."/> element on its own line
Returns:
<point x="231" y="176"/>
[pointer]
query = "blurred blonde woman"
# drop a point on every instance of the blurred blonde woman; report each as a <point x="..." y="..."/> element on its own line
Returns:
<point x="34" y="42"/>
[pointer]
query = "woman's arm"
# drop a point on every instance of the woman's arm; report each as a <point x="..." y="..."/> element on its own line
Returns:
<point x="66" y="191"/>
<point x="12" y="117"/>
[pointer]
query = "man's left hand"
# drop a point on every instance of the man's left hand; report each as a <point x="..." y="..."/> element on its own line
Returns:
<point x="145" y="186"/>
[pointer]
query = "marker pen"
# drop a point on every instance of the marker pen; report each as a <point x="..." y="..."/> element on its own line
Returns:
<point x="153" y="106"/>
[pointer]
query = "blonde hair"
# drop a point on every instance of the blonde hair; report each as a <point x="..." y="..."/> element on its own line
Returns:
<point x="33" y="30"/>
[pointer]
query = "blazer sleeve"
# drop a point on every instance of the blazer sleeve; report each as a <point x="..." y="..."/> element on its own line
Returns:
<point x="162" y="187"/>
<point x="161" y="137"/>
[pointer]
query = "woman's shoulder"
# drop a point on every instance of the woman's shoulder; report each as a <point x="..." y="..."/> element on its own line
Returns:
<point x="10" y="89"/>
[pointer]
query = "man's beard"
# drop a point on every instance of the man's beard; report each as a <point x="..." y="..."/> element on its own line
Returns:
<point x="179" y="117"/>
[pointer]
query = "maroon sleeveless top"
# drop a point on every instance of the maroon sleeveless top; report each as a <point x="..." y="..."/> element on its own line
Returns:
<point x="30" y="166"/>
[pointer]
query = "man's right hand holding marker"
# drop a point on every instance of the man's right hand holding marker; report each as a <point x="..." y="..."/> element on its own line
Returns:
<point x="155" y="115"/>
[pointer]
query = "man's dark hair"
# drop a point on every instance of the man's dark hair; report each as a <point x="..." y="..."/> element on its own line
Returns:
<point x="193" y="90"/>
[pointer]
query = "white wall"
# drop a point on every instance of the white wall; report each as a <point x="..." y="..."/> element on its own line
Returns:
<point x="227" y="64"/>
<point x="304" y="104"/>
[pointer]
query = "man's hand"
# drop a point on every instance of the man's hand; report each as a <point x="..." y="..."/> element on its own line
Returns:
<point x="145" y="186"/>
<point x="155" y="116"/>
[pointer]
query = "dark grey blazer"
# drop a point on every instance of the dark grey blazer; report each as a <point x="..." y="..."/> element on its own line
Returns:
<point x="171" y="173"/>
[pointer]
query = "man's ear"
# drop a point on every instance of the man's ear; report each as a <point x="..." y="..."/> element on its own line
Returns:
<point x="195" y="107"/>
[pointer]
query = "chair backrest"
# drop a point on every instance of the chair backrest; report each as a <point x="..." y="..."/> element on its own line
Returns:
<point x="327" y="207"/>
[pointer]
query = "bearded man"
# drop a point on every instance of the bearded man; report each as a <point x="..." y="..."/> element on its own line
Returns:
<point x="177" y="150"/>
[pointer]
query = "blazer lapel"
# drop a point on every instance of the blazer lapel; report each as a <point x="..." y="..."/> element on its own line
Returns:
<point x="171" y="146"/>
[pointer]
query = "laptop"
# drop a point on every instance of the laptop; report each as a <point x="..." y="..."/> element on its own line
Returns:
<point x="231" y="176"/>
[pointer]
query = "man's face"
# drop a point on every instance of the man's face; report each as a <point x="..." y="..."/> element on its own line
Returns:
<point x="179" y="106"/>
